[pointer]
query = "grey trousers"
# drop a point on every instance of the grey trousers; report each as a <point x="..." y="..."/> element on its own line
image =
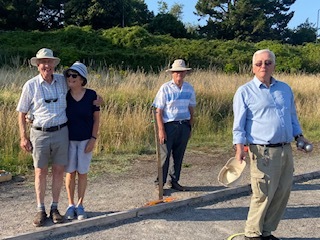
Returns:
<point x="175" y="146"/>
<point x="271" y="181"/>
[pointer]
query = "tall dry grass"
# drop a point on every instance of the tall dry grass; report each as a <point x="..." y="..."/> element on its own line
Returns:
<point x="126" y="119"/>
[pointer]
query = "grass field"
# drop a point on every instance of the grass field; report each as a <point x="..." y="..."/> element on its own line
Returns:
<point x="126" y="128"/>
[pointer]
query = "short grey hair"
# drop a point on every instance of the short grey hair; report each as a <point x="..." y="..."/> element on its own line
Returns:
<point x="271" y="54"/>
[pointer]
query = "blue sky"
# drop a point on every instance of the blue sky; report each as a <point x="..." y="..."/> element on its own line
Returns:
<point x="303" y="9"/>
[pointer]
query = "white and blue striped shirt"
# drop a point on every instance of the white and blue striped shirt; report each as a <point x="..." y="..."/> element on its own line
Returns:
<point x="175" y="102"/>
<point x="34" y="93"/>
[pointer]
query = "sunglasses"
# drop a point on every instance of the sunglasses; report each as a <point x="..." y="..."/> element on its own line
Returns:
<point x="51" y="100"/>
<point x="72" y="75"/>
<point x="266" y="63"/>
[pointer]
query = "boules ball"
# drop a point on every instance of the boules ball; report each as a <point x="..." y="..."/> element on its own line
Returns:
<point x="300" y="144"/>
<point x="308" y="147"/>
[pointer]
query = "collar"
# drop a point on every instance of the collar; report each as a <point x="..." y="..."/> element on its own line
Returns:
<point x="258" y="83"/>
<point x="42" y="80"/>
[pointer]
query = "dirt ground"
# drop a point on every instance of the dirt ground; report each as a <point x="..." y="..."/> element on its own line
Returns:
<point x="114" y="192"/>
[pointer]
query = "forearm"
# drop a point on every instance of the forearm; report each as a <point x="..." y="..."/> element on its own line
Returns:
<point x="159" y="120"/>
<point x="96" y="123"/>
<point x="191" y="110"/>
<point x="22" y="125"/>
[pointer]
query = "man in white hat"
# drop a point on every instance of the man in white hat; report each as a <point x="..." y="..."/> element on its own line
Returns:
<point x="174" y="103"/>
<point x="265" y="119"/>
<point x="45" y="97"/>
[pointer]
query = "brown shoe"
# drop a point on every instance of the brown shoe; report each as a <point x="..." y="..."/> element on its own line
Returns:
<point x="55" y="216"/>
<point x="177" y="186"/>
<point x="39" y="219"/>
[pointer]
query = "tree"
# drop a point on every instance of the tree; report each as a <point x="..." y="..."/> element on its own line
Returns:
<point x="168" y="21"/>
<point x="162" y="7"/>
<point x="102" y="14"/>
<point x="249" y="20"/>
<point x="175" y="10"/>
<point x="167" y="24"/>
<point x="19" y="15"/>
<point x="51" y="14"/>
<point x="304" y="33"/>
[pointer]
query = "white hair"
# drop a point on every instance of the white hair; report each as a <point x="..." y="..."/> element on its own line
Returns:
<point x="271" y="54"/>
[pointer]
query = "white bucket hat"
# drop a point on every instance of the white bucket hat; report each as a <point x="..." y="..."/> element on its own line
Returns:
<point x="79" y="68"/>
<point x="44" y="53"/>
<point x="178" y="66"/>
<point x="229" y="175"/>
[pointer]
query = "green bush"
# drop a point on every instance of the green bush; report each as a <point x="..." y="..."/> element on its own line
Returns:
<point x="134" y="48"/>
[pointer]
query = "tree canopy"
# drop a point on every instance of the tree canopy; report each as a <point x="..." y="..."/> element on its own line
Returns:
<point x="241" y="20"/>
<point x="249" y="20"/>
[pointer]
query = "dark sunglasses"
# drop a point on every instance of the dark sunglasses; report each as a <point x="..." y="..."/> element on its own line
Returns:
<point x="51" y="100"/>
<point x="267" y="63"/>
<point x="72" y="75"/>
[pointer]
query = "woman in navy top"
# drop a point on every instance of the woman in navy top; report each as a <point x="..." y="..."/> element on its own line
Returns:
<point x="83" y="123"/>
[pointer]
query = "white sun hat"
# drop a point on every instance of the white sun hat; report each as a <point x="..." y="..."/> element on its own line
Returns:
<point x="178" y="66"/>
<point x="229" y="175"/>
<point x="79" y="68"/>
<point x="44" y="53"/>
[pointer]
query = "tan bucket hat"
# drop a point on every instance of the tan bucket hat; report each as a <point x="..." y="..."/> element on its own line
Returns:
<point x="44" y="53"/>
<point x="229" y="175"/>
<point x="178" y="66"/>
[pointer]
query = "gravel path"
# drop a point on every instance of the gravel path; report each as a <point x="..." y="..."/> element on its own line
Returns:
<point x="110" y="193"/>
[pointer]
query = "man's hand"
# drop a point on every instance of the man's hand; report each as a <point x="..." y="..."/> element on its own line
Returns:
<point x="162" y="136"/>
<point x="99" y="101"/>
<point x="26" y="145"/>
<point x="240" y="152"/>
<point x="29" y="118"/>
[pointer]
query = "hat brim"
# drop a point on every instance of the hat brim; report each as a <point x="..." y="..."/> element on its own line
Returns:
<point x="178" y="69"/>
<point x="33" y="60"/>
<point x="230" y="174"/>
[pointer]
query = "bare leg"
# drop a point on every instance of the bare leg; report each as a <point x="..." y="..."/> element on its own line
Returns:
<point x="40" y="181"/>
<point x="70" y="186"/>
<point x="82" y="185"/>
<point x="57" y="181"/>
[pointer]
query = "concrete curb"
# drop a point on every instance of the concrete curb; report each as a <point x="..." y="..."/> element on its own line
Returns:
<point x="120" y="216"/>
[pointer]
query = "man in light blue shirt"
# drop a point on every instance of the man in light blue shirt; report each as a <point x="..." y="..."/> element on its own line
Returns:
<point x="174" y="103"/>
<point x="265" y="119"/>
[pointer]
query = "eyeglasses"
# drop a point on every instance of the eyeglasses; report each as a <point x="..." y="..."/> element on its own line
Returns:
<point x="266" y="63"/>
<point x="72" y="75"/>
<point x="50" y="100"/>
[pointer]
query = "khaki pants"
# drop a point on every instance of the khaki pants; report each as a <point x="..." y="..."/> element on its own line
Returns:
<point x="271" y="181"/>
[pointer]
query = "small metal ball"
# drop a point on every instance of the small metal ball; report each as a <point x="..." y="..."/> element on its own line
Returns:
<point x="308" y="147"/>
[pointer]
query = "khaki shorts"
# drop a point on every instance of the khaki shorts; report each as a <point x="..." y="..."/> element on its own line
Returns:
<point x="49" y="147"/>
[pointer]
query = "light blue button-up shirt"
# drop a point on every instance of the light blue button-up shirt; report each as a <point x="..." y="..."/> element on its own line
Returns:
<point x="264" y="115"/>
<point x="175" y="102"/>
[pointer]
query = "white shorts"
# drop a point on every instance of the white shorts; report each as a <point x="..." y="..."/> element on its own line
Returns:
<point x="78" y="160"/>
